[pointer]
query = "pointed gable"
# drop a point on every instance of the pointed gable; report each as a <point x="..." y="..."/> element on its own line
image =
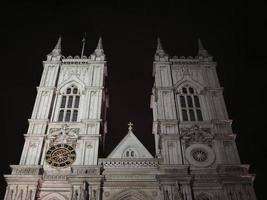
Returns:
<point x="130" y="147"/>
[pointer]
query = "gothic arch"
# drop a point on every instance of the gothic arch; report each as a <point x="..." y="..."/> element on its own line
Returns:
<point x="190" y="82"/>
<point x="54" y="196"/>
<point x="130" y="149"/>
<point x="74" y="81"/>
<point x="131" y="195"/>
<point x="203" y="196"/>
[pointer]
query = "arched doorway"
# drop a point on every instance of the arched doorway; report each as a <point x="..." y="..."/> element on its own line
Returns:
<point x="54" y="196"/>
<point x="131" y="195"/>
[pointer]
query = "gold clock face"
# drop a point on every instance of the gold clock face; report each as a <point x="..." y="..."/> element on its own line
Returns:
<point x="60" y="155"/>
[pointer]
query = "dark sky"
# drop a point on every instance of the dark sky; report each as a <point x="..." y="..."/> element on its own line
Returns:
<point x="229" y="31"/>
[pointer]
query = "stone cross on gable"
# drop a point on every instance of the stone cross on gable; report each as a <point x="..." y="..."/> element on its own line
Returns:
<point x="130" y="124"/>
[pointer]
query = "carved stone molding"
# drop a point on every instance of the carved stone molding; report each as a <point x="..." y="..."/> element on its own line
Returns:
<point x="85" y="170"/>
<point x="55" y="177"/>
<point x="63" y="135"/>
<point x="195" y="134"/>
<point x="26" y="169"/>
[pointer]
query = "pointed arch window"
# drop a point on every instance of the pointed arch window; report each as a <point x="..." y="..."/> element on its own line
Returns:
<point x="190" y="109"/>
<point x="69" y="106"/>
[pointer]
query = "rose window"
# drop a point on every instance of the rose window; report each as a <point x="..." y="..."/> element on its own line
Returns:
<point x="199" y="155"/>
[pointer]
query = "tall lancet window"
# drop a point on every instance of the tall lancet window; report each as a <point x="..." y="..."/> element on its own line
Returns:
<point x="68" y="111"/>
<point x="190" y="109"/>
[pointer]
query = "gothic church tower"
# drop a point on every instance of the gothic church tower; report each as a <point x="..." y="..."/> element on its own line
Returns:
<point x="196" y="155"/>
<point x="65" y="131"/>
<point x="194" y="141"/>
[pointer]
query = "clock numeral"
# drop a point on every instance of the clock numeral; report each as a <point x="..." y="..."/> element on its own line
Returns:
<point x="70" y="148"/>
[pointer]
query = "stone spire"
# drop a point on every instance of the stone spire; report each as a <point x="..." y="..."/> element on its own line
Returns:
<point x="160" y="54"/>
<point x="57" y="50"/>
<point x="201" y="50"/>
<point x="159" y="47"/>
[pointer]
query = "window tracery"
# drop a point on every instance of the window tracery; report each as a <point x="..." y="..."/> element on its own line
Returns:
<point x="69" y="105"/>
<point x="190" y="109"/>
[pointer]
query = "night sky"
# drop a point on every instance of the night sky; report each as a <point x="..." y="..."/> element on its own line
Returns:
<point x="229" y="31"/>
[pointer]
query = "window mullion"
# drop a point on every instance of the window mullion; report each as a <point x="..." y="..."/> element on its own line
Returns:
<point x="64" y="115"/>
<point x="187" y="108"/>
<point x="180" y="106"/>
<point x="194" y="107"/>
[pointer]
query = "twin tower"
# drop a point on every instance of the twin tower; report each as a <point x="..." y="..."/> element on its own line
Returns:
<point x="196" y="155"/>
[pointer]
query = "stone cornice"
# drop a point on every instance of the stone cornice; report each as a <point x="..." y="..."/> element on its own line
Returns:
<point x="40" y="121"/>
<point x="26" y="169"/>
<point x="96" y="88"/>
<point x="89" y="121"/>
<point x="52" y="62"/>
<point x="34" y="136"/>
<point x="167" y="121"/>
<point x="45" y="88"/>
<point x="164" y="88"/>
<point x="162" y="62"/>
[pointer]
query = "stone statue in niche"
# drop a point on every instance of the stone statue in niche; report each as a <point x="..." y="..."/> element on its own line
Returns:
<point x="178" y="193"/>
<point x="63" y="135"/>
<point x="195" y="134"/>
<point x="166" y="195"/>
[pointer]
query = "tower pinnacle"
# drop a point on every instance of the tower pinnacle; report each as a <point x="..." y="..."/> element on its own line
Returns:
<point x="99" y="45"/>
<point x="160" y="54"/>
<point x="201" y="50"/>
<point x="159" y="47"/>
<point x="55" y="55"/>
<point x="99" y="51"/>
<point x="57" y="49"/>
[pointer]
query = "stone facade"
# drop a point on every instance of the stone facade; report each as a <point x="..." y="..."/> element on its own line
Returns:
<point x="196" y="156"/>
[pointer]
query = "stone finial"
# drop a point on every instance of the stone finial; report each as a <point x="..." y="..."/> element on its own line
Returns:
<point x="201" y="50"/>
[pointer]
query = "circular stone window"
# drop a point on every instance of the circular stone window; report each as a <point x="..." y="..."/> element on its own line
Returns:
<point x="199" y="155"/>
